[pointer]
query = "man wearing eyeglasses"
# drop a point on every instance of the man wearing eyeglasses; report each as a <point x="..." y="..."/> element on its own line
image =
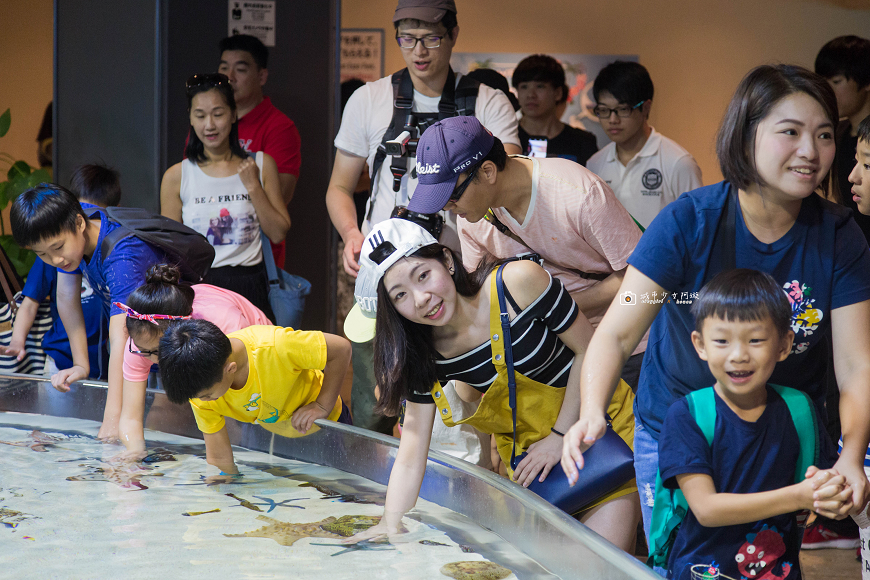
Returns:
<point x="645" y="169"/>
<point x="509" y="205"/>
<point x="426" y="91"/>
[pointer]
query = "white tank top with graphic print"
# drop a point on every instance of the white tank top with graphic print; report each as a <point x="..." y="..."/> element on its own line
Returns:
<point x="220" y="208"/>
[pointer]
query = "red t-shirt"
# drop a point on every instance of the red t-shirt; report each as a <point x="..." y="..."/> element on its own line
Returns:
<point x="267" y="129"/>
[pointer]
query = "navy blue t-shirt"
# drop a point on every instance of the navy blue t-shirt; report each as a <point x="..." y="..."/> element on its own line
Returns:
<point x="822" y="263"/>
<point x="42" y="282"/>
<point x="745" y="458"/>
<point x="114" y="278"/>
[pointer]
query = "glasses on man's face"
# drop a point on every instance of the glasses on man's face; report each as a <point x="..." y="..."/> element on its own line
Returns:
<point x="603" y="112"/>
<point x="208" y="80"/>
<point x="460" y="189"/>
<point x="410" y="42"/>
<point x="145" y="353"/>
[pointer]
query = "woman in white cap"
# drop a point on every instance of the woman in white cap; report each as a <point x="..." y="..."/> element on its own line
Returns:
<point x="438" y="323"/>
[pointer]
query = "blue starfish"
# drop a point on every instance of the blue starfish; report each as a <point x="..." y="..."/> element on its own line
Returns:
<point x="365" y="545"/>
<point x="239" y="481"/>
<point x="273" y="504"/>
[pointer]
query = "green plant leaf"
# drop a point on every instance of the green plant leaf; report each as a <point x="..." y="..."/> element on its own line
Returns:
<point x="17" y="186"/>
<point x="5" y="121"/>
<point x="18" y="169"/>
<point x="37" y="177"/>
<point x="4" y="201"/>
<point x="22" y="260"/>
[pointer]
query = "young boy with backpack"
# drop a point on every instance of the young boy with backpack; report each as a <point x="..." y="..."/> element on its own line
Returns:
<point x="737" y="460"/>
<point x="114" y="258"/>
<point x="95" y="186"/>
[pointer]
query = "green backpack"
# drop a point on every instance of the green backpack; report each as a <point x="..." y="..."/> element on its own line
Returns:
<point x="670" y="505"/>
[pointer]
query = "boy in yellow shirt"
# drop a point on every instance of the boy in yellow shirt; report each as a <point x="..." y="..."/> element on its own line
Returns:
<point x="262" y="374"/>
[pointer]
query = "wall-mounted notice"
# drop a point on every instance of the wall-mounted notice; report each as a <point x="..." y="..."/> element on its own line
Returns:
<point x="254" y="18"/>
<point x="362" y="54"/>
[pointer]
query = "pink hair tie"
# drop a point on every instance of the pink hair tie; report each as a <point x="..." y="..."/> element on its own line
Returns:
<point x="152" y="318"/>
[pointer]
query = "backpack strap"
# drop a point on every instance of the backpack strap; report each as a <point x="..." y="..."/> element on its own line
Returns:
<point x="803" y="415"/>
<point x="402" y="105"/>
<point x="111" y="240"/>
<point x="466" y="96"/>
<point x="670" y="506"/>
<point x="702" y="405"/>
<point x="509" y="358"/>
<point x="669" y="510"/>
<point x="455" y="101"/>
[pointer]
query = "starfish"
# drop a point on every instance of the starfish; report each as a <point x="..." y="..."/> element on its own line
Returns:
<point x="286" y="533"/>
<point x="365" y="545"/>
<point x="40" y="441"/>
<point x="476" y="569"/>
<point x="125" y="477"/>
<point x="243" y="502"/>
<point x="273" y="504"/>
<point x="329" y="493"/>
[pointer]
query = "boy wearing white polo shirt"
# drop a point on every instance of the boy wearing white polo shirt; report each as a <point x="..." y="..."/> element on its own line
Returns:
<point x="645" y="169"/>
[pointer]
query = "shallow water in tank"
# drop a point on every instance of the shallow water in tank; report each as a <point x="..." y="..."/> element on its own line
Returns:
<point x="68" y="510"/>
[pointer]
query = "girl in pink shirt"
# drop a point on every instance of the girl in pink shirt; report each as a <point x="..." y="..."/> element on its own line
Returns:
<point x="150" y="308"/>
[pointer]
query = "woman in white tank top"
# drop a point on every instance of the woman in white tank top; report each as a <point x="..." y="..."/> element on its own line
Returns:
<point x="223" y="193"/>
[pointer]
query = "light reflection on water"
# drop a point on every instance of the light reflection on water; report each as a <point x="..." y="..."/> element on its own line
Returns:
<point x="67" y="510"/>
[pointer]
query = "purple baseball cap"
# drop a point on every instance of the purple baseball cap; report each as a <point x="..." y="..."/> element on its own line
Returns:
<point x="424" y="10"/>
<point x="445" y="150"/>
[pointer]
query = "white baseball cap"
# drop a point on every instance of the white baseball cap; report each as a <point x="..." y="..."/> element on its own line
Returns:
<point x="387" y="243"/>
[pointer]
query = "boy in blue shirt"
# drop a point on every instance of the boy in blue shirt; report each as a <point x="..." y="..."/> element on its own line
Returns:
<point x="95" y="186"/>
<point x="740" y="488"/>
<point x="49" y="220"/>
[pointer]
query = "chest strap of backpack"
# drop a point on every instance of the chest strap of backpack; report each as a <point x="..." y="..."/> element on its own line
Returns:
<point x="455" y="101"/>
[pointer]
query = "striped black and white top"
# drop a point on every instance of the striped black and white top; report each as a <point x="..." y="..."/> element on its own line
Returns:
<point x="538" y="352"/>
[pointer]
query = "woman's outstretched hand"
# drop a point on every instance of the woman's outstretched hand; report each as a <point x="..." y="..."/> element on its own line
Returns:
<point x="579" y="438"/>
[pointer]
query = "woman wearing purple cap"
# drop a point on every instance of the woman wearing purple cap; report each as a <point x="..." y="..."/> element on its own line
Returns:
<point x="438" y="323"/>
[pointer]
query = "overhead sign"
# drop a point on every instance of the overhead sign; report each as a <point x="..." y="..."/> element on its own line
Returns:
<point x="254" y="18"/>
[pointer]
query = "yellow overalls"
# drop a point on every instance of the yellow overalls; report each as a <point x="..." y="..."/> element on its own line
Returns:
<point x="538" y="406"/>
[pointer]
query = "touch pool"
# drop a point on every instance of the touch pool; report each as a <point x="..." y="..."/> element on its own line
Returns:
<point x="67" y="510"/>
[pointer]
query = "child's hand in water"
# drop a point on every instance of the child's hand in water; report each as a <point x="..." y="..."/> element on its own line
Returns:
<point x="303" y="418"/>
<point x="129" y="456"/>
<point x="389" y="528"/>
<point x="63" y="379"/>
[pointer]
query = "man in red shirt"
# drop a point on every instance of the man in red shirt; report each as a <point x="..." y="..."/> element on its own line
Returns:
<point x="262" y="127"/>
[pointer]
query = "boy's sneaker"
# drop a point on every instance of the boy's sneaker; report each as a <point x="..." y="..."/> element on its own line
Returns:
<point x="818" y="536"/>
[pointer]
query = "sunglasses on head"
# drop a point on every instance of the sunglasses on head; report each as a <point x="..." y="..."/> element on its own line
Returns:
<point x="206" y="80"/>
